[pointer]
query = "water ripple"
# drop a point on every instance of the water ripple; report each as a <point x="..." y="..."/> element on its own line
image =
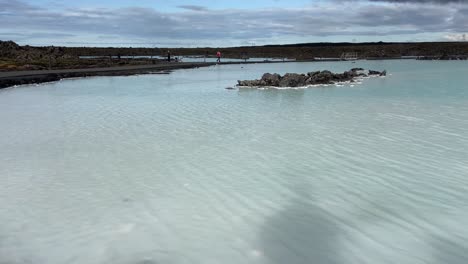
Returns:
<point x="175" y="169"/>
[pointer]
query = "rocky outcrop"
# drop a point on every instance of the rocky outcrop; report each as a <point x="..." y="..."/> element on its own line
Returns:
<point x="292" y="80"/>
<point x="271" y="79"/>
<point x="35" y="77"/>
<point x="383" y="73"/>
<point x="11" y="50"/>
<point x="8" y="48"/>
<point x="311" y="78"/>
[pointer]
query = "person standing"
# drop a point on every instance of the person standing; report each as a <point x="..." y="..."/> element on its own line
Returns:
<point x="168" y="56"/>
<point x="218" y="55"/>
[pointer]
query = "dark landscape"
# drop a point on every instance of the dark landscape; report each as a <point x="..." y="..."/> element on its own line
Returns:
<point x="15" y="57"/>
<point x="30" y="64"/>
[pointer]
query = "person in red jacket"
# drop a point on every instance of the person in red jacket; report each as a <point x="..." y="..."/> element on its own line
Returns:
<point x="218" y="55"/>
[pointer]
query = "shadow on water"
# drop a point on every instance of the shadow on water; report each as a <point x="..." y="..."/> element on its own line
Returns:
<point x="292" y="94"/>
<point x="447" y="251"/>
<point x="274" y="97"/>
<point x="302" y="232"/>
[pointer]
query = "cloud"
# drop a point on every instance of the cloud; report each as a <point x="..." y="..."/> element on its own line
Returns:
<point x="456" y="37"/>
<point x="229" y="26"/>
<point x="6" y="5"/>
<point x="422" y="1"/>
<point x="193" y="7"/>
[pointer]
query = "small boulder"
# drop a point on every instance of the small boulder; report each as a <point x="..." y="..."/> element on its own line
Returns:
<point x="312" y="74"/>
<point x="293" y="80"/>
<point x="271" y="79"/>
<point x="323" y="77"/>
<point x="372" y="72"/>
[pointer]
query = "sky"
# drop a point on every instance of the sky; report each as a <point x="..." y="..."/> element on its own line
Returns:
<point x="189" y="23"/>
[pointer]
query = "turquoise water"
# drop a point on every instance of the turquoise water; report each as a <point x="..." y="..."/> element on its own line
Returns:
<point x="176" y="169"/>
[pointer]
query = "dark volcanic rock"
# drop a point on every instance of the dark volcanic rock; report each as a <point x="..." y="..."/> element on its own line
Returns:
<point x="293" y="80"/>
<point x="271" y="79"/>
<point x="11" y="50"/>
<point x="312" y="78"/>
<point x="8" y="48"/>
<point x="383" y="73"/>
<point x="249" y="83"/>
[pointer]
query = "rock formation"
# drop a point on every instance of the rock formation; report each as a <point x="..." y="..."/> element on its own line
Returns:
<point x="311" y="78"/>
<point x="11" y="50"/>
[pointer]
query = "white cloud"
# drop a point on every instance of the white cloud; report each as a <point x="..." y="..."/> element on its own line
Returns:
<point x="457" y="37"/>
<point x="199" y="26"/>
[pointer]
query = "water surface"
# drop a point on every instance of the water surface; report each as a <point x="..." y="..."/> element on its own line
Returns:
<point x="176" y="169"/>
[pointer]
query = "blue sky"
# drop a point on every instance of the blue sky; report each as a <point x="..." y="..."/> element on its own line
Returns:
<point x="189" y="23"/>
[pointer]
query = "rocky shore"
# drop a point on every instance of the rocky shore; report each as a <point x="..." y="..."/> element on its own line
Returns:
<point x="309" y="79"/>
<point x="12" y="78"/>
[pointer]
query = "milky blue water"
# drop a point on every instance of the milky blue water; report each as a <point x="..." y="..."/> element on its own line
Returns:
<point x="176" y="169"/>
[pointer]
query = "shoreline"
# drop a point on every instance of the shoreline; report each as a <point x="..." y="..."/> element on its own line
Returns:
<point x="14" y="78"/>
